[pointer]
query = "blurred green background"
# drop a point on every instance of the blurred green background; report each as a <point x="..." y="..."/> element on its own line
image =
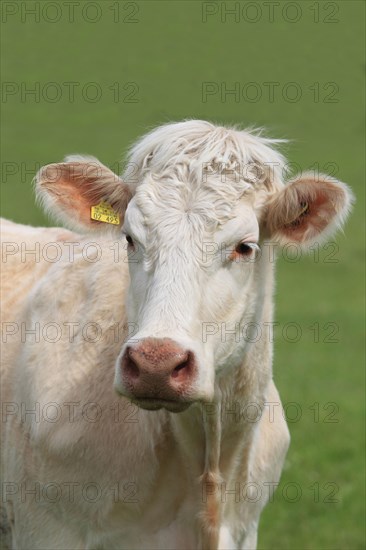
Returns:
<point x="102" y="73"/>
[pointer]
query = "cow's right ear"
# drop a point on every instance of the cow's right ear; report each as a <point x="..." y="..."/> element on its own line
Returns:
<point x="309" y="208"/>
<point x="69" y="190"/>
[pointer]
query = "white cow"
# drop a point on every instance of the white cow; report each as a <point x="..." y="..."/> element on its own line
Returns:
<point x="104" y="342"/>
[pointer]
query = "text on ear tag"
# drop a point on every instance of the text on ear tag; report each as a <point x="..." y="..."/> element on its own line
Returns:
<point x="103" y="212"/>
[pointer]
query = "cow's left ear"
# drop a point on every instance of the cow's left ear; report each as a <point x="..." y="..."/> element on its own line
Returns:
<point x="310" y="208"/>
<point x="83" y="193"/>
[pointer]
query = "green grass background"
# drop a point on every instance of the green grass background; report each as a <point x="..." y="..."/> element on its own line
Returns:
<point x="169" y="52"/>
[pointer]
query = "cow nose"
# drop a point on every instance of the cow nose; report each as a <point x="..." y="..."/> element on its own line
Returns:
<point x="165" y="364"/>
<point x="158" y="368"/>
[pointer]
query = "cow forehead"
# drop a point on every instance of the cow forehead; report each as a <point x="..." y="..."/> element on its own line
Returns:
<point x="171" y="212"/>
<point x="213" y="199"/>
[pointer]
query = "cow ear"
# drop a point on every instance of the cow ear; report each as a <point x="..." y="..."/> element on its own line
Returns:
<point x="83" y="193"/>
<point x="310" y="208"/>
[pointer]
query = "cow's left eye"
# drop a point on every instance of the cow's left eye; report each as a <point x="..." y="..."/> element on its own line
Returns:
<point x="129" y="240"/>
<point x="246" y="249"/>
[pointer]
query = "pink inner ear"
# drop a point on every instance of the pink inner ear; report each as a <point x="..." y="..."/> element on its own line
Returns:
<point x="70" y="198"/>
<point x="320" y="212"/>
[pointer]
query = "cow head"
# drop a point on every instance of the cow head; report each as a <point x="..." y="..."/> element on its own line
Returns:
<point x="198" y="217"/>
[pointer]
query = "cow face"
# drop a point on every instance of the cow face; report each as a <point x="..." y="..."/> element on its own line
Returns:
<point x="205" y="203"/>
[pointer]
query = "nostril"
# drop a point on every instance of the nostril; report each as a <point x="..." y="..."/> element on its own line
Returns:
<point x="183" y="372"/>
<point x="178" y="368"/>
<point x="130" y="367"/>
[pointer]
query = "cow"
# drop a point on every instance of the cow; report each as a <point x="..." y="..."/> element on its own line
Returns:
<point x="139" y="408"/>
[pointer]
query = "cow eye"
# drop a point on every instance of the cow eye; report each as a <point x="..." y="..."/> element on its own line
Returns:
<point x="246" y="249"/>
<point x="129" y="240"/>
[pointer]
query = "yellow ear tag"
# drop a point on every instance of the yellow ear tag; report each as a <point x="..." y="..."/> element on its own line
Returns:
<point x="103" y="212"/>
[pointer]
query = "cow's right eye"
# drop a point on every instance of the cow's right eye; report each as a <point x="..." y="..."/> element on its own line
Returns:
<point x="129" y="240"/>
